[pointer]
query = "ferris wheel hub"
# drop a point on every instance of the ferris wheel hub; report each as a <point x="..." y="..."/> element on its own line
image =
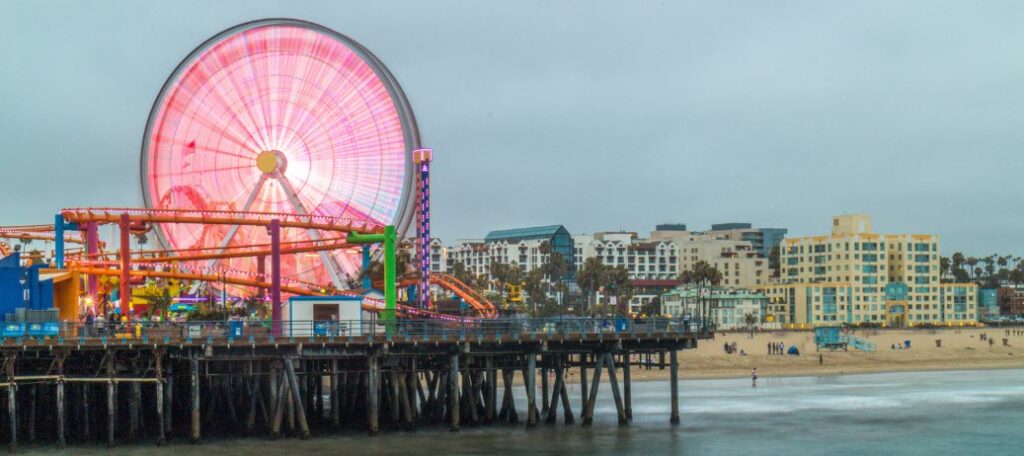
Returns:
<point x="271" y="162"/>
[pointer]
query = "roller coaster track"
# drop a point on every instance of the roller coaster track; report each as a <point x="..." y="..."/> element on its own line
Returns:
<point x="171" y="256"/>
<point x="369" y="304"/>
<point x="40" y="235"/>
<point x="209" y="217"/>
<point x="170" y="259"/>
<point x="484" y="307"/>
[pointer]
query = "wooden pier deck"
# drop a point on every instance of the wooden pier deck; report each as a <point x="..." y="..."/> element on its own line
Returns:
<point x="76" y="389"/>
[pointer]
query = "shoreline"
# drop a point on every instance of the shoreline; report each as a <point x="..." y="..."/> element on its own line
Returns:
<point x="931" y="350"/>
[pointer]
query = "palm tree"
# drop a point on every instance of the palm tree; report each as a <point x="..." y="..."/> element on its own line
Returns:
<point x="971" y="263"/>
<point x="957" y="262"/>
<point x="750" y="320"/>
<point x="617" y="279"/>
<point x="700" y="273"/>
<point x="590" y="277"/>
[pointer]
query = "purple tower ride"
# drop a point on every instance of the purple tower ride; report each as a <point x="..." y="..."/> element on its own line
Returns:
<point x="422" y="159"/>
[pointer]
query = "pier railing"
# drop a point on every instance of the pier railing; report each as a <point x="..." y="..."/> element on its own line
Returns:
<point x="263" y="331"/>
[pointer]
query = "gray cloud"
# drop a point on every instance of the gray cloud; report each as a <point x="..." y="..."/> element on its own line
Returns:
<point x="597" y="115"/>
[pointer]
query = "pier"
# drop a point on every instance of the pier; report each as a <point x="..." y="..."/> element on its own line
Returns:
<point x="193" y="380"/>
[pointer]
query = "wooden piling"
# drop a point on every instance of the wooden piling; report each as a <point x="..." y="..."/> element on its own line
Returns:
<point x="403" y="400"/>
<point x="394" y="404"/>
<point x="169" y="400"/>
<point x="61" y="442"/>
<point x="543" y="385"/>
<point x="133" y="410"/>
<point x="158" y="396"/>
<point x="509" y="377"/>
<point x="583" y="385"/>
<point x="530" y="378"/>
<point x="627" y="385"/>
<point x="588" y="410"/>
<point x="85" y="417"/>
<point x="569" y="419"/>
<point x="111" y="411"/>
<point x="620" y="409"/>
<point x="552" y="408"/>
<point x="300" y="411"/>
<point x="373" y="395"/>
<point x="196" y="424"/>
<point x="280" y="396"/>
<point x="674" y="385"/>
<point x="12" y="415"/>
<point x="31" y="419"/>
<point x="453" y="391"/>
<point x="492" y="390"/>
<point x="335" y="397"/>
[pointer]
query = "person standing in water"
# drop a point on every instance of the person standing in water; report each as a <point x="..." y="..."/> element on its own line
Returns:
<point x="753" y="378"/>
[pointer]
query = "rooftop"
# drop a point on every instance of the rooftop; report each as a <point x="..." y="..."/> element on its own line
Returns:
<point x="537" y="232"/>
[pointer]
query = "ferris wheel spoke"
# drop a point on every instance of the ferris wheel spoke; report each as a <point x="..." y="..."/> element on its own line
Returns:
<point x="333" y="269"/>
<point x="209" y="170"/>
<point x="234" y="228"/>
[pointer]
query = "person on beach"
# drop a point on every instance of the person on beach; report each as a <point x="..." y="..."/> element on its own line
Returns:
<point x="753" y="378"/>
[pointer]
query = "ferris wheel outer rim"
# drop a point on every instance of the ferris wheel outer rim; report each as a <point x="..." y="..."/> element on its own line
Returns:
<point x="410" y="132"/>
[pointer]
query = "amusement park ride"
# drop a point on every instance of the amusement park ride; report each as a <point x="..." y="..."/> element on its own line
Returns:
<point x="274" y="139"/>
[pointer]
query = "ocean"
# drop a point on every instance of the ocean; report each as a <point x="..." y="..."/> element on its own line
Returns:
<point x="907" y="413"/>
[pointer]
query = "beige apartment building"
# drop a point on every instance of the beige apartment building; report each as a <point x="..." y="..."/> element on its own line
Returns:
<point x="741" y="263"/>
<point x="855" y="276"/>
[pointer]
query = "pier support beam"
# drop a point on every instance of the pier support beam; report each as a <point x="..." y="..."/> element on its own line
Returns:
<point x="12" y="415"/>
<point x="158" y="406"/>
<point x="531" y="389"/>
<point x="196" y="424"/>
<point x="133" y="410"/>
<point x="544" y="385"/>
<point x="169" y="400"/>
<point x="565" y="402"/>
<point x="335" y="396"/>
<point x="588" y="410"/>
<point x="61" y="442"/>
<point x="490" y="411"/>
<point x="609" y="362"/>
<point x="627" y="385"/>
<point x="85" y="417"/>
<point x="453" y="391"/>
<point x="373" y="395"/>
<point x="674" y="385"/>
<point x="300" y="410"/>
<point x="552" y="408"/>
<point x="111" y="411"/>
<point x="583" y="385"/>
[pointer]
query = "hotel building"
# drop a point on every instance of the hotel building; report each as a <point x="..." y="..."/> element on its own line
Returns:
<point x="855" y="276"/>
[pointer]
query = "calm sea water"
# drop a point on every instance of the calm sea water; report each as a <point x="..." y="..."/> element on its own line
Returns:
<point x="921" y="413"/>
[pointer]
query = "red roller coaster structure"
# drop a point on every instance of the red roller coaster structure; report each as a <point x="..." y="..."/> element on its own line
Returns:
<point x="240" y="165"/>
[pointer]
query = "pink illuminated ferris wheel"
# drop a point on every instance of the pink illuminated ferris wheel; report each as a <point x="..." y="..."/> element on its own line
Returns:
<point x="280" y="116"/>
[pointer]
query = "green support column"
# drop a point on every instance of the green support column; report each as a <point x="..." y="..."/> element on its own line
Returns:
<point x="390" y="294"/>
<point x="390" y="239"/>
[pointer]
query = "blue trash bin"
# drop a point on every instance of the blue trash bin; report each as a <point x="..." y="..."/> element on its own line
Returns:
<point x="235" y="328"/>
<point x="321" y="328"/>
<point x="621" y="324"/>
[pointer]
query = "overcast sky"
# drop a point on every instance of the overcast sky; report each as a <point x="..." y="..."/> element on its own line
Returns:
<point x="595" y="115"/>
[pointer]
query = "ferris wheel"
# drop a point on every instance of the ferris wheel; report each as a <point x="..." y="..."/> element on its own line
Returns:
<point x="280" y="116"/>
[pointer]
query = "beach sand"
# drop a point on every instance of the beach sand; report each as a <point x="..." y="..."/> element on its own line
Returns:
<point x="961" y="349"/>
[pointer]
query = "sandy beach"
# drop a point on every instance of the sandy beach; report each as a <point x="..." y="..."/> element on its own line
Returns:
<point x="960" y="349"/>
